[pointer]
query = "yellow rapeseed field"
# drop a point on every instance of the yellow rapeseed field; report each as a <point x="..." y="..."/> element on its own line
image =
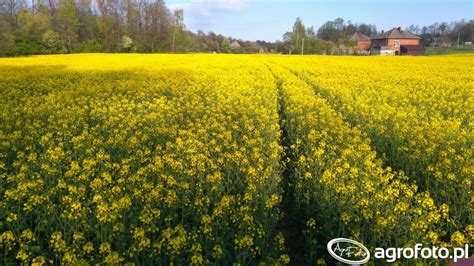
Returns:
<point x="202" y="159"/>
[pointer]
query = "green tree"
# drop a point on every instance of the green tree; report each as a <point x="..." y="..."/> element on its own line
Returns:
<point x="52" y="42"/>
<point x="28" y="32"/>
<point x="68" y="21"/>
<point x="127" y="44"/>
<point x="201" y="41"/>
<point x="298" y="36"/>
<point x="7" y="43"/>
<point x="178" y="29"/>
<point x="225" y="45"/>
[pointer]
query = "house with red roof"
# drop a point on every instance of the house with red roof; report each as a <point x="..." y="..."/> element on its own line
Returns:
<point x="363" y="42"/>
<point x="395" y="42"/>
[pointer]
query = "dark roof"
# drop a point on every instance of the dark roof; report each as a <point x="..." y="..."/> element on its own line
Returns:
<point x="357" y="36"/>
<point x="396" y="33"/>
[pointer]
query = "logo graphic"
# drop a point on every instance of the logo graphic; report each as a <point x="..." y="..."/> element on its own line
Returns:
<point x="348" y="251"/>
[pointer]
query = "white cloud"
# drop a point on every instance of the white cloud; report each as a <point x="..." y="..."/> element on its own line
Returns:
<point x="232" y="4"/>
<point x="202" y="14"/>
<point x="207" y="7"/>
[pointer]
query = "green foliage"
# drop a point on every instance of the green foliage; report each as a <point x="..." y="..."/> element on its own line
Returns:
<point x="178" y="30"/>
<point x="127" y="44"/>
<point x="225" y="45"/>
<point x="318" y="46"/>
<point x="450" y="50"/>
<point x="28" y="43"/>
<point x="52" y="42"/>
<point x="90" y="47"/>
<point x="7" y="43"/>
<point x="68" y="18"/>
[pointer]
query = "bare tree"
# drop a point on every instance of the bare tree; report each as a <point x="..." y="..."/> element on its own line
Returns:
<point x="11" y="8"/>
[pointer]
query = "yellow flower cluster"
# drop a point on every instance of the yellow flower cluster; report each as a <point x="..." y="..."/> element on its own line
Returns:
<point x="142" y="159"/>
<point x="340" y="182"/>
<point x="183" y="159"/>
<point x="418" y="114"/>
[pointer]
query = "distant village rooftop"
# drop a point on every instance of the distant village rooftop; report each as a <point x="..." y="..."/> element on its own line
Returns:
<point x="393" y="42"/>
<point x="358" y="36"/>
<point x="396" y="33"/>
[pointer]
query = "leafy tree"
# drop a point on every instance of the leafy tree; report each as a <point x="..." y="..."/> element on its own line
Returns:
<point x="213" y="42"/>
<point x="27" y="43"/>
<point x="127" y="44"/>
<point x="178" y="28"/>
<point x="157" y="27"/>
<point x="7" y="43"/>
<point x="225" y="45"/>
<point x="328" y="31"/>
<point x="52" y="42"/>
<point x="201" y="39"/>
<point x="298" y="35"/>
<point x="27" y="34"/>
<point x="68" y="20"/>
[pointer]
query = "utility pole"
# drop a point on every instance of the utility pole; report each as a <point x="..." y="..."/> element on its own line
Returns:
<point x="297" y="35"/>
<point x="459" y="36"/>
<point x="302" y="46"/>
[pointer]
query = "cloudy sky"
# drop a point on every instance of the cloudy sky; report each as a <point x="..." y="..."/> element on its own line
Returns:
<point x="268" y="20"/>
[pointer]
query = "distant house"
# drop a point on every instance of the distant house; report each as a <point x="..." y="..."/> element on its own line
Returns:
<point x="398" y="41"/>
<point x="363" y="42"/>
<point x="235" y="45"/>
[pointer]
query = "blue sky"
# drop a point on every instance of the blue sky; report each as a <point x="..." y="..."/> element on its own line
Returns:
<point x="268" y="20"/>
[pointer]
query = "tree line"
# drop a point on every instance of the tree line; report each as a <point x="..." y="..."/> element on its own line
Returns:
<point x="75" y="26"/>
<point x="68" y="26"/>
<point x="333" y="36"/>
<point x="444" y="33"/>
<point x="148" y="26"/>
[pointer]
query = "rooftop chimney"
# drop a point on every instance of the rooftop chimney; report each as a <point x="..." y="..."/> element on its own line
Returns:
<point x="382" y="31"/>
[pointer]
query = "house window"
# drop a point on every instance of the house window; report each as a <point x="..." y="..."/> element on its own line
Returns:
<point x="397" y="43"/>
